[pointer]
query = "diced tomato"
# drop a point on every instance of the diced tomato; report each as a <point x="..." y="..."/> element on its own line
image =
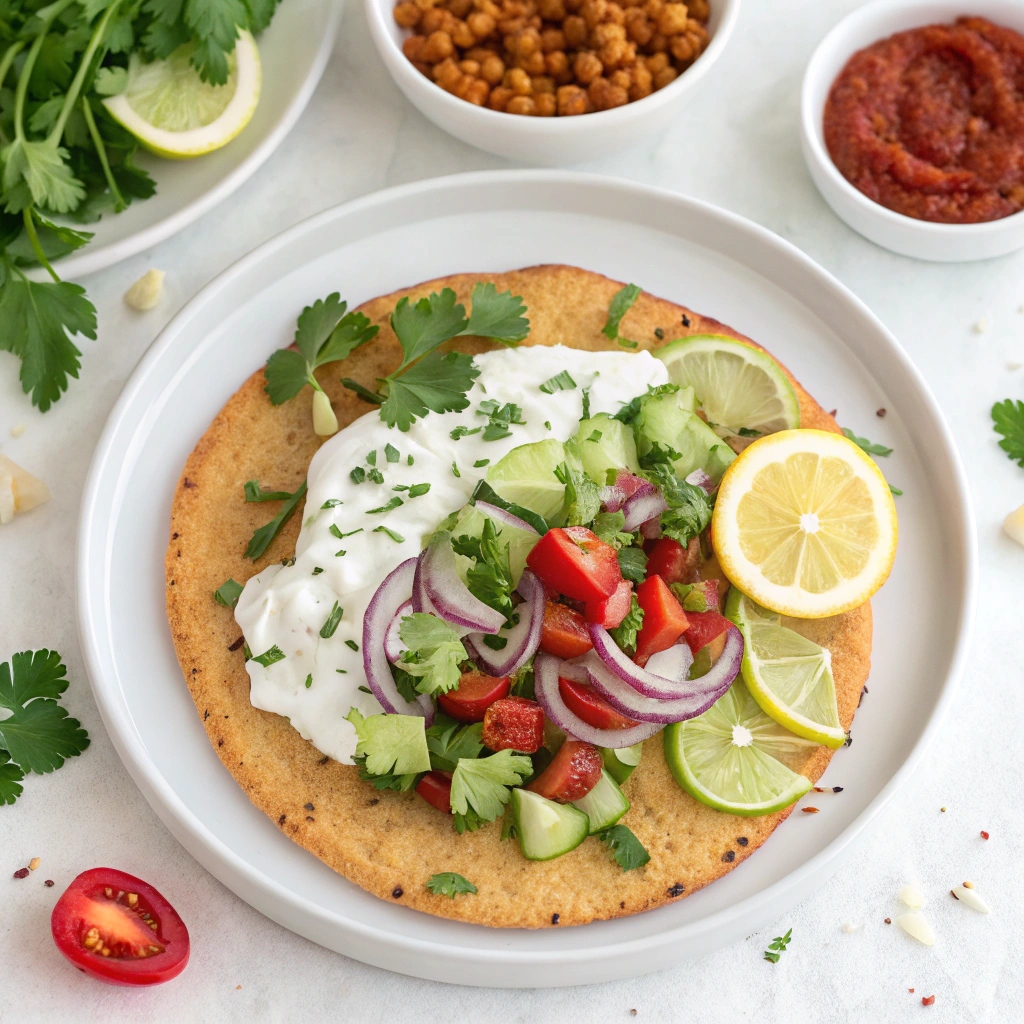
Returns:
<point x="664" y="618"/>
<point x="576" y="563"/>
<point x="514" y="723"/>
<point x="668" y="559"/>
<point x="436" y="789"/>
<point x="475" y="693"/>
<point x="703" y="628"/>
<point x="564" y="631"/>
<point x="574" y="771"/>
<point x="119" y="929"/>
<point x="610" y="611"/>
<point x="584" y="702"/>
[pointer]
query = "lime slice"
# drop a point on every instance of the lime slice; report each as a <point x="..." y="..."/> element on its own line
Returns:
<point x="175" y="114"/>
<point x="738" y="386"/>
<point x="788" y="675"/>
<point x="526" y="476"/>
<point x="728" y="758"/>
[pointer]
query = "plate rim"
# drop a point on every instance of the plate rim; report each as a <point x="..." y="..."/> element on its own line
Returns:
<point x="91" y="260"/>
<point x="261" y="890"/>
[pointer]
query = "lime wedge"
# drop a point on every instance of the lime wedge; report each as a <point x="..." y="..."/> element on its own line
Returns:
<point x="175" y="114"/>
<point x="788" y="675"/>
<point x="728" y="758"/>
<point x="526" y="476"/>
<point x="738" y="386"/>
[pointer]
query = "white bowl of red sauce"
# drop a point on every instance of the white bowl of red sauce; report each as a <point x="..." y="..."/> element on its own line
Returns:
<point x="907" y="132"/>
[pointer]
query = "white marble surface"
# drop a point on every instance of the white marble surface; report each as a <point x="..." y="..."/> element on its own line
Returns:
<point x="737" y="147"/>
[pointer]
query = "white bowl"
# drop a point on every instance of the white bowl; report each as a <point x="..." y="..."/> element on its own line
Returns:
<point x="922" y="239"/>
<point x="551" y="141"/>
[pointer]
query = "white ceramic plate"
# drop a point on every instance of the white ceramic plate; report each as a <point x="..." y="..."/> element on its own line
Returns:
<point x="676" y="247"/>
<point x="294" y="51"/>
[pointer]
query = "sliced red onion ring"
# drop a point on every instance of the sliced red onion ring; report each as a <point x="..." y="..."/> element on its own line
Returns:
<point x="391" y="595"/>
<point x="612" y="497"/>
<point x="640" y="679"/>
<point x="393" y="646"/>
<point x="420" y="600"/>
<point x="672" y="664"/>
<point x="450" y="597"/>
<point x="523" y="638"/>
<point x="642" y="507"/>
<point x="547" y="669"/>
<point x="505" y="518"/>
<point x="700" y="479"/>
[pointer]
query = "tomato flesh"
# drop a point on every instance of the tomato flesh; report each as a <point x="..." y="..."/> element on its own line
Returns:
<point x="119" y="929"/>
<point x="668" y="559"/>
<point x="576" y="562"/>
<point x="582" y="700"/>
<point x="514" y="723"/>
<point x="436" y="789"/>
<point x="610" y="611"/>
<point x="574" y="771"/>
<point x="664" y="618"/>
<point x="476" y="692"/>
<point x="564" y="631"/>
<point x="703" y="628"/>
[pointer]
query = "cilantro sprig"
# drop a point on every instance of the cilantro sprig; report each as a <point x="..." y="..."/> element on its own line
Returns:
<point x="434" y="652"/>
<point x="449" y="883"/>
<point x="627" y="851"/>
<point x="1008" y="421"/>
<point x="481" y="787"/>
<point x="622" y="302"/>
<point x="37" y="735"/>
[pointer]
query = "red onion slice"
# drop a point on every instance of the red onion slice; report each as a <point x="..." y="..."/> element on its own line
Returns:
<point x="641" y="679"/>
<point x="672" y="664"/>
<point x="391" y="595"/>
<point x="505" y="518"/>
<point x="699" y="478"/>
<point x="612" y="497"/>
<point x="393" y="646"/>
<point x="642" y="507"/>
<point x="547" y="669"/>
<point x="523" y="638"/>
<point x="450" y="597"/>
<point x="420" y="600"/>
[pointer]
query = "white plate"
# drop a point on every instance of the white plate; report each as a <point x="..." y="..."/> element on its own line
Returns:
<point x="676" y="247"/>
<point x="294" y="51"/>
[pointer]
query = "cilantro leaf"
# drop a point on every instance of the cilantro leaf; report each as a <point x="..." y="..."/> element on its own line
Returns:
<point x="865" y="445"/>
<point x="689" y="507"/>
<point x="448" y="883"/>
<point x="228" y="593"/>
<point x="10" y="779"/>
<point x="448" y="741"/>
<point x="391" y="744"/>
<point x="269" y="657"/>
<point x="560" y="382"/>
<point x="468" y="822"/>
<point x="609" y="527"/>
<point x="262" y="538"/>
<point x="622" y="302"/>
<point x="500" y="418"/>
<point x="482" y="784"/>
<point x="629" y="853"/>
<point x="422" y="326"/>
<point x="633" y="564"/>
<point x="582" y="502"/>
<point x="438" y="383"/>
<point x="490" y="577"/>
<point x="1008" y="420"/>
<point x="497" y="316"/>
<point x="625" y="633"/>
<point x="434" y="652"/>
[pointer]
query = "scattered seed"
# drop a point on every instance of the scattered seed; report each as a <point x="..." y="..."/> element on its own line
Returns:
<point x="888" y="920"/>
<point x="927" y="1000"/>
<point x="398" y="892"/>
<point x="1012" y="367"/>
<point x="915" y="925"/>
<point x="555" y="918"/>
<point x="237" y="987"/>
<point x="910" y="990"/>
<point x="880" y="413"/>
<point x="21" y="873"/>
<point x="968" y="885"/>
<point x="837" y="789"/>
<point x="984" y="835"/>
<point x="971" y="898"/>
<point x="33" y="863"/>
<point x="912" y="897"/>
<point x="809" y="810"/>
<point x="943" y="809"/>
<point x="310" y="807"/>
<point x="659" y="333"/>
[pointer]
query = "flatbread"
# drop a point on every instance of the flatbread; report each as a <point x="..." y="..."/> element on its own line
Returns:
<point x="391" y="843"/>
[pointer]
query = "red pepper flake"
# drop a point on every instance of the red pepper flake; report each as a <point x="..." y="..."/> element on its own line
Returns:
<point x="48" y="883"/>
<point x="809" y="810"/>
<point x="927" y="1000"/>
<point x="888" y="920"/>
<point x="910" y="990"/>
<point x="984" y="835"/>
<point x="21" y="873"/>
<point x="880" y="413"/>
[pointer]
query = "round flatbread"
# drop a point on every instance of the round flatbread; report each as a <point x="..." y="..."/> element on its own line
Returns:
<point x="391" y="843"/>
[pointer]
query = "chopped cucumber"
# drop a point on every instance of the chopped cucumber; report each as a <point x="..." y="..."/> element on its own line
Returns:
<point x="620" y="763"/>
<point x="546" y="830"/>
<point x="604" y="804"/>
<point x="469" y="522"/>
<point x="606" y="444"/>
<point x="526" y="476"/>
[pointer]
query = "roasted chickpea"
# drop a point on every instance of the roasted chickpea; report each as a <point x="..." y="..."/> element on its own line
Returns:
<point x="552" y="39"/>
<point x="593" y="11"/>
<point x="551" y="10"/>
<point x="492" y="69"/>
<point x="574" y="29"/>
<point x="407" y="14"/>
<point x="621" y="79"/>
<point x="672" y="19"/>
<point x="532" y="65"/>
<point x="478" y="92"/>
<point x="658" y="43"/>
<point x="545" y="104"/>
<point x="431" y="21"/>
<point x="458" y="8"/>
<point x="615" y="14"/>
<point x="521" y="105"/>
<point x="698" y="9"/>
<point x="541" y="83"/>
<point x="499" y="97"/>
<point x="447" y="75"/>
<point x="462" y="35"/>
<point x="605" y="96"/>
<point x="438" y="47"/>
<point x="572" y="100"/>
<point x="664" y="77"/>
<point x="470" y="67"/>
<point x="642" y="83"/>
<point x="518" y="81"/>
<point x="638" y="26"/>
<point x="557" y="66"/>
<point x="588" y="67"/>
<point x="412" y="47"/>
<point x="656" y="62"/>
<point x="481" y="24"/>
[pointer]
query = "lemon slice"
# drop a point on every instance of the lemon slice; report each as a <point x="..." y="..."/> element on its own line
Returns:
<point x="738" y="386"/>
<point x="805" y="524"/>
<point x="175" y="114"/>
<point x="729" y="757"/>
<point x="788" y="675"/>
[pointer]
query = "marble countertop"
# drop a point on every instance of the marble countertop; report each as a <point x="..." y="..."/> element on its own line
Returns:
<point x="736" y="146"/>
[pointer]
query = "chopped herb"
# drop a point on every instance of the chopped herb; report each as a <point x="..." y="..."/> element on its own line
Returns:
<point x="358" y="475"/>
<point x="390" y="746"/>
<point x="490" y="578"/>
<point x="271" y="657"/>
<point x="633" y="564"/>
<point x="581" y="502"/>
<point x="330" y="626"/>
<point x="335" y="531"/>
<point x="371" y="459"/>
<point x="263" y="537"/>
<point x="254" y="492"/>
<point x="659" y="333"/>
<point x="500" y="418"/>
<point x="396" y="537"/>
<point x="342" y="536"/>
<point x="455" y="469"/>
<point x="364" y="393"/>
<point x="626" y="343"/>
<point x="352" y="644"/>
<point x="624" y="634"/>
<point x="393" y="503"/>
<point x="547" y="424"/>
<point x="896" y="491"/>
<point x="1008" y="420"/>
<point x="364" y="689"/>
<point x="332" y="503"/>
<point x="246" y="652"/>
<point x="629" y="853"/>
<point x="560" y="382"/>
<point x="409" y="461"/>
<point x="448" y="883"/>
<point x="375" y="476"/>
<point x="748" y="432"/>
<point x="496" y="643"/>
<point x="865" y="445"/>
<point x="309" y="680"/>
<point x="609" y="527"/>
<point x="622" y="302"/>
<point x="400" y="487"/>
<point x="480" y="463"/>
<point x="689" y="508"/>
<point x="391" y="453"/>
<point x="228" y="593"/>
<point x="317" y="570"/>
<point x="418" y="489"/>
<point x="777" y="947"/>
<point x="586" y="404"/>
<point x="463" y="432"/>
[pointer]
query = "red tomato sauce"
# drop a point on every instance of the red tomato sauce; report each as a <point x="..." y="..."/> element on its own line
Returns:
<point x="930" y="122"/>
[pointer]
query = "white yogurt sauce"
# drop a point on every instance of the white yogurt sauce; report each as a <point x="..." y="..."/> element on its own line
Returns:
<point x="288" y="605"/>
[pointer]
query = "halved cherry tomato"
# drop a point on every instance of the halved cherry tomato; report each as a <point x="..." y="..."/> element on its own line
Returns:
<point x="584" y="702"/>
<point x="576" y="562"/>
<point x="664" y="618"/>
<point x="514" y="723"/>
<point x="574" y="771"/>
<point x="436" y="789"/>
<point x="703" y="628"/>
<point x="668" y="559"/>
<point x="475" y="693"/>
<point x="564" y="631"/>
<point x="119" y="929"/>
<point x="610" y="611"/>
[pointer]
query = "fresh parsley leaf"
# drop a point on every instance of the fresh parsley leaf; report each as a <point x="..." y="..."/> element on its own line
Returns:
<point x="777" y="947"/>
<point x="38" y="735"/>
<point x="629" y="853"/>
<point x="434" y="653"/>
<point x="582" y="502"/>
<point x="449" y="741"/>
<point x="480" y="463"/>
<point x="391" y="453"/>
<point x="427" y="323"/>
<point x="865" y="445"/>
<point x="497" y="316"/>
<point x="633" y="564"/>
<point x="228" y="593"/>
<point x="269" y="657"/>
<point x="263" y="537"/>
<point x="448" y="883"/>
<point x="622" y="302"/>
<point x="358" y="475"/>
<point x="482" y="784"/>
<point x="625" y="633"/>
<point x="438" y="383"/>
<point x="1008" y="420"/>
<point x="631" y="410"/>
<point x="391" y="743"/>
<point x="608" y="526"/>
<point x="560" y="382"/>
<point x="490" y="578"/>
<point x="254" y="492"/>
<point x="330" y="627"/>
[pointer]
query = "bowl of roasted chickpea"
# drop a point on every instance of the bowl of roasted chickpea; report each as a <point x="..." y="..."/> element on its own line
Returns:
<point x="550" y="81"/>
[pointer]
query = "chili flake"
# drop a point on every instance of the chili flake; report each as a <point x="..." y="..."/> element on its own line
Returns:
<point x="984" y="835"/>
<point x="21" y="873"/>
<point x="927" y="1000"/>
